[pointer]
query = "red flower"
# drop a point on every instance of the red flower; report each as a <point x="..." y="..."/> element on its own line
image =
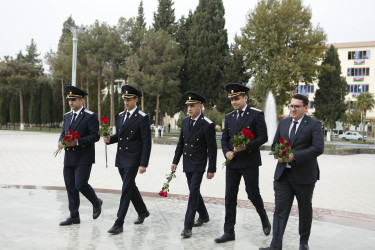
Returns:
<point x="281" y="140"/>
<point x="244" y="131"/>
<point x="102" y="118"/>
<point x="66" y="138"/>
<point x="70" y="132"/>
<point x="105" y="121"/>
<point x="161" y="193"/>
<point x="287" y="144"/>
<point x="251" y="136"/>
<point x="75" y="136"/>
<point x="165" y="194"/>
<point x="283" y="152"/>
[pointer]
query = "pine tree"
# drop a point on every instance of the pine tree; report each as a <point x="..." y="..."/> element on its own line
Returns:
<point x="329" y="99"/>
<point x="207" y="51"/>
<point x="164" y="18"/>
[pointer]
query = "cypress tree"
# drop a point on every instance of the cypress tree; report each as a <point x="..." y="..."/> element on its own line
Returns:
<point x="208" y="50"/>
<point x="165" y="18"/>
<point x="330" y="97"/>
<point x="46" y="104"/>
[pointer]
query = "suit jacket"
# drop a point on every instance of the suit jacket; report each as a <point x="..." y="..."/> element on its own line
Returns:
<point x="252" y="119"/>
<point x="87" y="126"/>
<point x="133" y="140"/>
<point x="197" y="145"/>
<point x="308" y="145"/>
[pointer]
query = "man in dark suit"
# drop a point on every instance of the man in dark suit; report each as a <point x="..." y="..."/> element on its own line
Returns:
<point x="133" y="139"/>
<point x="80" y="154"/>
<point x="246" y="160"/>
<point x="197" y="142"/>
<point x="297" y="175"/>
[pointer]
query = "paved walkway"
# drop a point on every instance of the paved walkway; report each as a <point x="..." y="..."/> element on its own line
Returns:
<point x="34" y="201"/>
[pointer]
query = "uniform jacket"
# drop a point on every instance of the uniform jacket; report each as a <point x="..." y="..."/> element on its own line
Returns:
<point x="87" y="126"/>
<point x="308" y="145"/>
<point x="133" y="140"/>
<point x="197" y="145"/>
<point x="252" y="119"/>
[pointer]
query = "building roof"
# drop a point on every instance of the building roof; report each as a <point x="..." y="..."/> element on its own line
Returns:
<point x="354" y="44"/>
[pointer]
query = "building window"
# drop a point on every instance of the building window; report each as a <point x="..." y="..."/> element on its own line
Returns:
<point x="358" y="88"/>
<point x="359" y="54"/>
<point x="358" y="71"/>
<point x="305" y="88"/>
<point x="311" y="105"/>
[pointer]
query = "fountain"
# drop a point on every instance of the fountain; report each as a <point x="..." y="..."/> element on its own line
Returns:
<point x="270" y="117"/>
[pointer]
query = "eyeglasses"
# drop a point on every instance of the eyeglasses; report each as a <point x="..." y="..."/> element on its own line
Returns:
<point x="294" y="106"/>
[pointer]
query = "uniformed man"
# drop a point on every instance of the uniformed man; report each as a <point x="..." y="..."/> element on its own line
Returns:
<point x="133" y="139"/>
<point x="80" y="154"/>
<point x="197" y="142"/>
<point x="245" y="163"/>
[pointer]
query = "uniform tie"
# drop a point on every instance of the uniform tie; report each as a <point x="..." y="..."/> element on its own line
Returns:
<point x="292" y="135"/>
<point x="191" y="124"/>
<point x="127" y="118"/>
<point x="239" y="117"/>
<point x="73" y="119"/>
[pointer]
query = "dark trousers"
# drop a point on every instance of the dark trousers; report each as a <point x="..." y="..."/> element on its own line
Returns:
<point x="285" y="190"/>
<point x="76" y="180"/>
<point x="195" y="203"/>
<point x="232" y="182"/>
<point x="131" y="193"/>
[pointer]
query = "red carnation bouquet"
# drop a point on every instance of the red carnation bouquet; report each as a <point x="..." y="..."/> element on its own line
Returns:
<point x="165" y="189"/>
<point x="105" y="130"/>
<point x="241" y="139"/>
<point x="69" y="137"/>
<point x="282" y="150"/>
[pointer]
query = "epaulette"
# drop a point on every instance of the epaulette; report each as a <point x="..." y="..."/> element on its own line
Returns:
<point x="121" y="112"/>
<point x="208" y="120"/>
<point x="141" y="113"/>
<point x="256" y="109"/>
<point x="68" y="112"/>
<point x="230" y="112"/>
<point x="89" y="111"/>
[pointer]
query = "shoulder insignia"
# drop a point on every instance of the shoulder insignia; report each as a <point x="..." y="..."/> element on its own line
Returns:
<point x="230" y="112"/>
<point x="256" y="109"/>
<point x="208" y="120"/>
<point x="141" y="113"/>
<point x="89" y="111"/>
<point x="121" y="112"/>
<point x="68" y="112"/>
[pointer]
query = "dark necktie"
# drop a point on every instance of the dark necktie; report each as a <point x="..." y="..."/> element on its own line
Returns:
<point x="239" y="118"/>
<point x="191" y="124"/>
<point x="292" y="135"/>
<point x="127" y="118"/>
<point x="73" y="119"/>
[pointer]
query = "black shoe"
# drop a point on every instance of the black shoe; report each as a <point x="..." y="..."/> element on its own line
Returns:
<point x="96" y="211"/>
<point x="225" y="237"/>
<point x="304" y="247"/>
<point x="269" y="248"/>
<point x="186" y="233"/>
<point x="116" y="229"/>
<point x="70" y="221"/>
<point x="142" y="217"/>
<point x="200" y="221"/>
<point x="265" y="223"/>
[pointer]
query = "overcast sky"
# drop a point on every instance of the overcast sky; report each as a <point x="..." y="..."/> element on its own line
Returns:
<point x="22" y="20"/>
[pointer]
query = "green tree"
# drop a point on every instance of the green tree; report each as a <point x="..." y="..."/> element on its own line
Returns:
<point x="14" y="109"/>
<point x="365" y="102"/>
<point x="329" y="99"/>
<point x="4" y="107"/>
<point x="158" y="63"/>
<point x="280" y="44"/>
<point x="164" y="18"/>
<point x="207" y="51"/>
<point x="46" y="104"/>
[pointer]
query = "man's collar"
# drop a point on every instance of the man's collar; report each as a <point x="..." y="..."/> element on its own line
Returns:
<point x="132" y="111"/>
<point x="196" y="118"/>
<point x="244" y="109"/>
<point x="79" y="111"/>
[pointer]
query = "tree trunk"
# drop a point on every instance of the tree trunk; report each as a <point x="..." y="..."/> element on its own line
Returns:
<point x="81" y="82"/>
<point x="21" y="111"/>
<point x="112" y="113"/>
<point x="363" y="125"/>
<point x="143" y="100"/>
<point x="328" y="133"/>
<point x="88" y="94"/>
<point x="99" y="92"/>
<point x="157" y="109"/>
<point x="63" y="96"/>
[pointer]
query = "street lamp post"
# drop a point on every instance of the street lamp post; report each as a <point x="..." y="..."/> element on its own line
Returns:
<point x="75" y="31"/>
